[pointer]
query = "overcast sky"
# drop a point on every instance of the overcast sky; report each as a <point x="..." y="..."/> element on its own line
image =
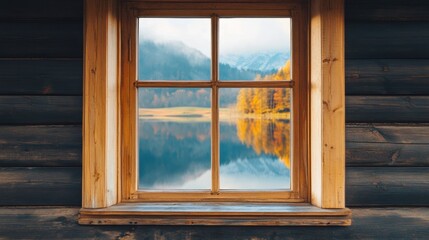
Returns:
<point x="236" y="35"/>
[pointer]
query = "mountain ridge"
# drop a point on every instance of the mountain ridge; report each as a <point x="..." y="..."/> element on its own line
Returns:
<point x="263" y="61"/>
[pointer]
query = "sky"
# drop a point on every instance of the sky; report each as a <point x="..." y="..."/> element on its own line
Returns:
<point x="236" y="35"/>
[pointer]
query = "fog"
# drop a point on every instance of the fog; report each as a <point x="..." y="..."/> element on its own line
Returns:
<point x="236" y="35"/>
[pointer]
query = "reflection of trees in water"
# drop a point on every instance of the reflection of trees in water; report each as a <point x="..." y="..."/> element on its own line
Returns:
<point x="172" y="153"/>
<point x="157" y="130"/>
<point x="266" y="136"/>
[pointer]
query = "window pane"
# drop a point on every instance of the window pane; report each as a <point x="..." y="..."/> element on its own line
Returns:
<point x="254" y="48"/>
<point x="174" y="49"/>
<point x="255" y="138"/>
<point x="174" y="138"/>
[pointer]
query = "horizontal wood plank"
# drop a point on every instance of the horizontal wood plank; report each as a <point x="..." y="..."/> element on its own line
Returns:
<point x="380" y="186"/>
<point x="215" y="214"/>
<point x="387" y="154"/>
<point x="363" y="77"/>
<point x="375" y="40"/>
<point x="41" y="9"/>
<point x="387" y="145"/>
<point x="387" y="10"/>
<point x="384" y="186"/>
<point x="40" y="186"/>
<point x="388" y="133"/>
<point x="44" y="145"/>
<point x="41" y="39"/>
<point x="387" y="77"/>
<point x="41" y="77"/>
<point x="367" y="145"/>
<point x="388" y="109"/>
<point x="40" y="110"/>
<point x="61" y="223"/>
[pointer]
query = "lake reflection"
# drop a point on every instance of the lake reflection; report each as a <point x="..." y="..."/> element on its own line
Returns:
<point x="174" y="154"/>
<point x="256" y="156"/>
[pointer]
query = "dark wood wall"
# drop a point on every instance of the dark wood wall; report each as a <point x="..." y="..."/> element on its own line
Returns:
<point x="387" y="114"/>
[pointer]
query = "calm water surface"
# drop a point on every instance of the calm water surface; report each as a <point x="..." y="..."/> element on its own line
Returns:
<point x="176" y="155"/>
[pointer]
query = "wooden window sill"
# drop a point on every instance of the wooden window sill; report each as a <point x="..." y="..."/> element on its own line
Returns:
<point x="233" y="214"/>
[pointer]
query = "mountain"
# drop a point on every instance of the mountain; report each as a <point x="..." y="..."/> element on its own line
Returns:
<point x="171" y="61"/>
<point x="267" y="61"/>
<point x="176" y="61"/>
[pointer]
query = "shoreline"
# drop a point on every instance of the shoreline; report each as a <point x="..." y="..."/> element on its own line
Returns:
<point x="198" y="114"/>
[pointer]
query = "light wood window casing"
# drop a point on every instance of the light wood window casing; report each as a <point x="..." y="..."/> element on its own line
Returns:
<point x="298" y="192"/>
<point x="119" y="195"/>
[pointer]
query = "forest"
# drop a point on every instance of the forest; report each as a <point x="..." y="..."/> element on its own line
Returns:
<point x="267" y="127"/>
<point x="266" y="100"/>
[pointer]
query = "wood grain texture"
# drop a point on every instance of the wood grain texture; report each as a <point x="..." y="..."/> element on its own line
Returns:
<point x="128" y="105"/>
<point x="387" y="77"/>
<point x="41" y="145"/>
<point x="61" y="223"/>
<point x="387" y="145"/>
<point x="129" y="92"/>
<point x="381" y="186"/>
<point x="42" y="9"/>
<point x="100" y="110"/>
<point x="214" y="214"/>
<point x="327" y="103"/>
<point x="387" y="109"/>
<point x="366" y="145"/>
<point x="388" y="133"/>
<point x="41" y="39"/>
<point x="366" y="186"/>
<point x="380" y="40"/>
<point x="41" y="77"/>
<point x="15" y="110"/>
<point x="387" y="154"/>
<point x="40" y="186"/>
<point x="67" y="109"/>
<point x="387" y="10"/>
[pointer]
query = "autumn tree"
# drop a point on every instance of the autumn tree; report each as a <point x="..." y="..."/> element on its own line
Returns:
<point x="264" y="100"/>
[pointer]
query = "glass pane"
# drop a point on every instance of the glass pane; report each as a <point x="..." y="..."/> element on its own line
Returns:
<point x="255" y="138"/>
<point x="254" y="48"/>
<point x="174" y="49"/>
<point x="174" y="138"/>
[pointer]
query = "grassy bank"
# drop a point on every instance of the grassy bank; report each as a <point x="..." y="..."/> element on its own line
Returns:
<point x="198" y="114"/>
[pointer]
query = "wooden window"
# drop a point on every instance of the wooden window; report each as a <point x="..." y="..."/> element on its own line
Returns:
<point x="121" y="75"/>
<point x="218" y="88"/>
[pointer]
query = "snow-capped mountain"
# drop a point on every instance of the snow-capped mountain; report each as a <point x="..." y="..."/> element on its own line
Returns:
<point x="256" y="61"/>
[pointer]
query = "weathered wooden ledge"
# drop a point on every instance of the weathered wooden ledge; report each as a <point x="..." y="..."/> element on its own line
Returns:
<point x="232" y="214"/>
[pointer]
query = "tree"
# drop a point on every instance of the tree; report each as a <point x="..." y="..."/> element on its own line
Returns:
<point x="264" y="100"/>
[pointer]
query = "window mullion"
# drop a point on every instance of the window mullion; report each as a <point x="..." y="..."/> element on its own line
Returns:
<point x="215" y="106"/>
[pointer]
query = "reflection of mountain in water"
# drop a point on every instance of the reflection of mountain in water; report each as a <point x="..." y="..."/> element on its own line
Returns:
<point x="173" y="155"/>
<point x="250" y="173"/>
<point x="255" y="166"/>
<point x="255" y="173"/>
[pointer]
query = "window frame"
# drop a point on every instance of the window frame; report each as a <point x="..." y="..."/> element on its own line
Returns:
<point x="104" y="108"/>
<point x="131" y="14"/>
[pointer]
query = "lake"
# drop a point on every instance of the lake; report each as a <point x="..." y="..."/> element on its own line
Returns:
<point x="175" y="151"/>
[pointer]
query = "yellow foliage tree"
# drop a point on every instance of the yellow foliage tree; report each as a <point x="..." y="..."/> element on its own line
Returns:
<point x="263" y="100"/>
<point x="269" y="136"/>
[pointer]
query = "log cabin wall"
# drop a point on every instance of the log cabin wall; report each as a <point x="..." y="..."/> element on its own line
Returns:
<point x="387" y="114"/>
